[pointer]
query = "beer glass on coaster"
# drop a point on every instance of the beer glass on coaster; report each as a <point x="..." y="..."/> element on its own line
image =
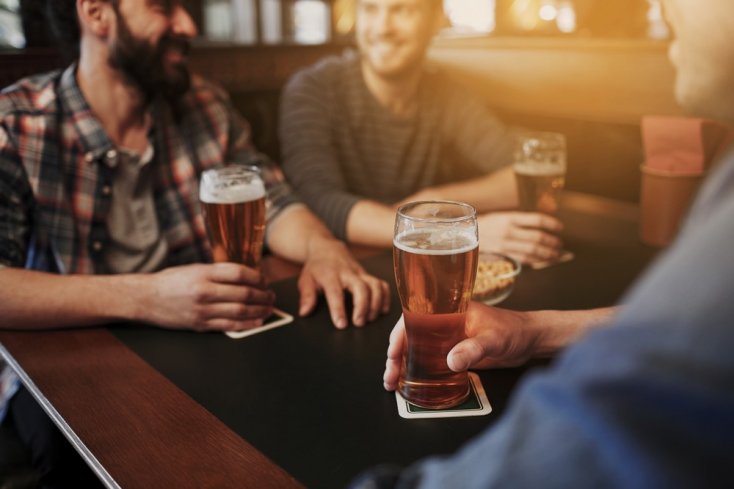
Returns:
<point x="233" y="205"/>
<point x="435" y="249"/>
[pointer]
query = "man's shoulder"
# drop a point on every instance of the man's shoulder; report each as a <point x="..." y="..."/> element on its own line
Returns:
<point x="333" y="65"/>
<point x="32" y="95"/>
<point x="206" y="108"/>
<point x="205" y="90"/>
<point x="441" y="81"/>
<point x="325" y="72"/>
<point x="205" y="98"/>
<point x="453" y="95"/>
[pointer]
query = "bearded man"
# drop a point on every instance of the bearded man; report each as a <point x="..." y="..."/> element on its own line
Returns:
<point x="99" y="211"/>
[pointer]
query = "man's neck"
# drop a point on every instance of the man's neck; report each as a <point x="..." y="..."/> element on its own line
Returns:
<point x="397" y="95"/>
<point x="120" y="107"/>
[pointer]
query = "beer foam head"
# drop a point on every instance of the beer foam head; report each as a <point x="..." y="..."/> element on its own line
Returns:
<point x="442" y="241"/>
<point x="229" y="189"/>
<point x="539" y="168"/>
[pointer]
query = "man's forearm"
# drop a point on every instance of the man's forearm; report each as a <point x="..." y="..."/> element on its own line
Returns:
<point x="559" y="329"/>
<point x="38" y="300"/>
<point x="496" y="191"/>
<point x="294" y="233"/>
<point x="371" y="223"/>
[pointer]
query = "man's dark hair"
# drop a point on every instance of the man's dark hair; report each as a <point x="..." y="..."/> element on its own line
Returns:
<point x="62" y="18"/>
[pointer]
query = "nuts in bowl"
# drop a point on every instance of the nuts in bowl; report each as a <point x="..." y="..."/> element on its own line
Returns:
<point x="496" y="275"/>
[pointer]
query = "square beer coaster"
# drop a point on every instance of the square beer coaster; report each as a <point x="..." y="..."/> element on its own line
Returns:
<point x="475" y="405"/>
<point x="277" y="318"/>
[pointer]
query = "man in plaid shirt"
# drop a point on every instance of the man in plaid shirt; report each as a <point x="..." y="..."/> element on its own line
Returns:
<point x="99" y="211"/>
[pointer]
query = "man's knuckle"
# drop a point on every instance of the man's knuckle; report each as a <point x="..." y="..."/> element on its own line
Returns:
<point x="200" y="315"/>
<point x="240" y="310"/>
<point x="200" y="292"/>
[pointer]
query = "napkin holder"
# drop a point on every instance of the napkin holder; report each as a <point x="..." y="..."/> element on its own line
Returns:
<point x="664" y="200"/>
<point x="678" y="151"/>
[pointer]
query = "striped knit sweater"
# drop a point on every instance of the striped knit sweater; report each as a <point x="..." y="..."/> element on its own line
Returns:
<point x="339" y="145"/>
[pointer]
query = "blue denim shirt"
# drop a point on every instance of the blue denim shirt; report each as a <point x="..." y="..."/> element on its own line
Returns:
<point x="645" y="403"/>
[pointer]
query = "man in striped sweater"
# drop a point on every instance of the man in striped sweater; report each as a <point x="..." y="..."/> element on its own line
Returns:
<point x="365" y="131"/>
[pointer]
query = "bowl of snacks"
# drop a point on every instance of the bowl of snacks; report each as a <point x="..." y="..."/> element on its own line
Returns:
<point x="496" y="275"/>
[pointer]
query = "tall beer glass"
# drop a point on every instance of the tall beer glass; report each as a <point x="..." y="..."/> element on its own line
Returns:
<point x="540" y="170"/>
<point x="233" y="204"/>
<point x="435" y="260"/>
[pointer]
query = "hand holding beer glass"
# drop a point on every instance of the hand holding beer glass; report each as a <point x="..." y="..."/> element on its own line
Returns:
<point x="233" y="203"/>
<point x="540" y="172"/>
<point x="435" y="248"/>
<point x="233" y="206"/>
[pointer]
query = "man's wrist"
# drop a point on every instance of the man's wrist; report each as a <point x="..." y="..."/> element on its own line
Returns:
<point x="553" y="331"/>
<point x="133" y="298"/>
<point x="320" y="243"/>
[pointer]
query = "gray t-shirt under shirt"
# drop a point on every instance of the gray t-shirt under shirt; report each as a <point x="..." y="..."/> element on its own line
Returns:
<point x="339" y="145"/>
<point x="136" y="243"/>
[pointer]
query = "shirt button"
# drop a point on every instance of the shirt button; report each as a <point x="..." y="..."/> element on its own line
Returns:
<point x="97" y="246"/>
<point x="111" y="154"/>
<point x="106" y="190"/>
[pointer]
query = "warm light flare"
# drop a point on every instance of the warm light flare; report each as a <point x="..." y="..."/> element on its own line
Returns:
<point x="345" y="13"/>
<point x="311" y="20"/>
<point x="548" y="12"/>
<point x="544" y="16"/>
<point x="566" y="20"/>
<point x="476" y="15"/>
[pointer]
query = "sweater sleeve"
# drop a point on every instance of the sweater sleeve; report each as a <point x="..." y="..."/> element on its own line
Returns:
<point x="475" y="132"/>
<point x="308" y="153"/>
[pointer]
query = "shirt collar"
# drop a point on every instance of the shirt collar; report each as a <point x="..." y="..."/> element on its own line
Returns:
<point x="93" y="139"/>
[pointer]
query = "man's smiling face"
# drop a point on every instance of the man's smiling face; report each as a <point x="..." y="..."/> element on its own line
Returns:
<point x="393" y="35"/>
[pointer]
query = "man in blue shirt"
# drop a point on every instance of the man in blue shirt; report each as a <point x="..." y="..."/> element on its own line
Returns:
<point x="647" y="401"/>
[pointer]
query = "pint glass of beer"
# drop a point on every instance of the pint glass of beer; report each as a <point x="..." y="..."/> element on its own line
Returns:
<point x="233" y="204"/>
<point x="540" y="170"/>
<point x="435" y="260"/>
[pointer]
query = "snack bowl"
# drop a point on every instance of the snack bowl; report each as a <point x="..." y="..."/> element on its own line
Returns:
<point x="496" y="275"/>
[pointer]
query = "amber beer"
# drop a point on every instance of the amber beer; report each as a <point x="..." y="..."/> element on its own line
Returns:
<point x="233" y="205"/>
<point x="434" y="271"/>
<point x="540" y="170"/>
<point x="539" y="186"/>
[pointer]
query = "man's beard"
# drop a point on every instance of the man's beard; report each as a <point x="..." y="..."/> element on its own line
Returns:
<point x="144" y="67"/>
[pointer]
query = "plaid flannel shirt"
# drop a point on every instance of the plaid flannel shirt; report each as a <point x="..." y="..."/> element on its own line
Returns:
<point x="56" y="172"/>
